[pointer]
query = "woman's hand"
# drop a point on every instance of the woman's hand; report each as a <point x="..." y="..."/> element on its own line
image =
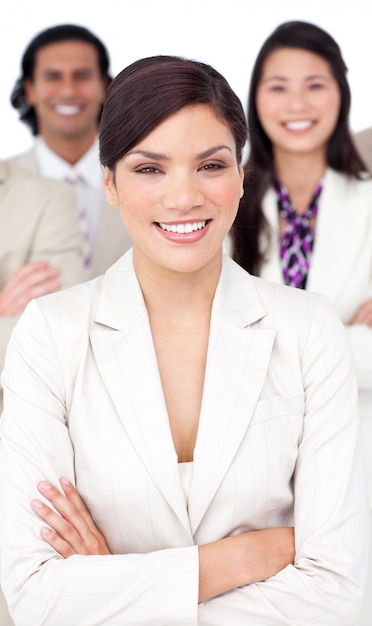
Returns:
<point x="72" y="530"/>
<point x="363" y="314"/>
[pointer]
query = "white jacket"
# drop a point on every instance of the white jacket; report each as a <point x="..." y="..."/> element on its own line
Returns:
<point x="277" y="444"/>
<point x="341" y="268"/>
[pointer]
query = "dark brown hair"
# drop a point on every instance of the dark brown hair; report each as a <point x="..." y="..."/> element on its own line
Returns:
<point x="150" y="90"/>
<point x="342" y="156"/>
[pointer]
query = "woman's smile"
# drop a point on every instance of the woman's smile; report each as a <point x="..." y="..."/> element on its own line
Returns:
<point x="184" y="232"/>
<point x="190" y="196"/>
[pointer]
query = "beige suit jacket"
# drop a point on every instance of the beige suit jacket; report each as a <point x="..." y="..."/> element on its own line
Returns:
<point x="38" y="223"/>
<point x="277" y="444"/>
<point x="113" y="239"/>
<point x="363" y="142"/>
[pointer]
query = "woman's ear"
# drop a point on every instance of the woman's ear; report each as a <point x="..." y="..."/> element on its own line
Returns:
<point x="110" y="187"/>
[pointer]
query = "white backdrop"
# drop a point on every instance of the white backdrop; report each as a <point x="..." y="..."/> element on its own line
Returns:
<point x="224" y="33"/>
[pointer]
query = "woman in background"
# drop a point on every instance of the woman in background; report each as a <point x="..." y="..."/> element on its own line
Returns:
<point x="306" y="217"/>
<point x="206" y="418"/>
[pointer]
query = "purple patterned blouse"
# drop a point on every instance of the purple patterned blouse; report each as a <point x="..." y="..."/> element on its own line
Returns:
<point x="297" y="239"/>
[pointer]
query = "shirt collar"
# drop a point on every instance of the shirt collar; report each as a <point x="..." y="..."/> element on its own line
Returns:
<point x="53" y="166"/>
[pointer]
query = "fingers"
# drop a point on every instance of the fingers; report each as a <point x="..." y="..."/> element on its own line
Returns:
<point x="71" y="527"/>
<point x="61" y="534"/>
<point x="69" y="521"/>
<point x="51" y="537"/>
<point x="74" y="497"/>
<point x="30" y="281"/>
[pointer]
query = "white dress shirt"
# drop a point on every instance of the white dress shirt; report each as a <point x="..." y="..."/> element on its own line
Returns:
<point x="88" y="176"/>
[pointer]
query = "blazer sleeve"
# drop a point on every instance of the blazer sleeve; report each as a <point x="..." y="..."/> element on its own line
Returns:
<point x="158" y="587"/>
<point x="326" y="583"/>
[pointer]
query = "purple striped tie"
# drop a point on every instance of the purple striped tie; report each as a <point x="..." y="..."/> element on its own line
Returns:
<point x="83" y="221"/>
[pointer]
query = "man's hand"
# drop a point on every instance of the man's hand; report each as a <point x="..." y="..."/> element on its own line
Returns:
<point x="363" y="314"/>
<point x="30" y="281"/>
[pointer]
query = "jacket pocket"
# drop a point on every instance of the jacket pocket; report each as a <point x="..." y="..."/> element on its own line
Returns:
<point x="278" y="406"/>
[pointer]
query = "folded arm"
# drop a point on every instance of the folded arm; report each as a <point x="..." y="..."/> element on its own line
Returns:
<point x="324" y="583"/>
<point x="223" y="565"/>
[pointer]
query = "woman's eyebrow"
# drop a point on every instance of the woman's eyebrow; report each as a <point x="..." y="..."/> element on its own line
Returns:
<point x="279" y="77"/>
<point x="266" y="79"/>
<point x="211" y="151"/>
<point x="160" y="156"/>
<point x="319" y="77"/>
<point x="148" y="154"/>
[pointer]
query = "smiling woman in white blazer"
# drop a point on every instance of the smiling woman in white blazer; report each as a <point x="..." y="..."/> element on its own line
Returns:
<point x="302" y="156"/>
<point x="180" y="441"/>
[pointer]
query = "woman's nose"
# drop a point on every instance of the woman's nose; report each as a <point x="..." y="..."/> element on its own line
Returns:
<point x="182" y="194"/>
<point x="297" y="100"/>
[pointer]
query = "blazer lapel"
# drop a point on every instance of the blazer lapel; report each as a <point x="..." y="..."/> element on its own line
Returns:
<point x="125" y="356"/>
<point x="271" y="269"/>
<point x="335" y="232"/>
<point x="338" y="236"/>
<point x="237" y="361"/>
<point x="238" y="358"/>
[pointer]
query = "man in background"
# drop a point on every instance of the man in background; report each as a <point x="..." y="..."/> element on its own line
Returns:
<point x="59" y="95"/>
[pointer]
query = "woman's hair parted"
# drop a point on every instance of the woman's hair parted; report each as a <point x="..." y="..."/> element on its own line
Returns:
<point x="149" y="90"/>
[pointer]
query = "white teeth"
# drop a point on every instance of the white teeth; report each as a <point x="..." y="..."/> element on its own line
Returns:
<point x="299" y="125"/>
<point x="181" y="229"/>
<point x="65" y="109"/>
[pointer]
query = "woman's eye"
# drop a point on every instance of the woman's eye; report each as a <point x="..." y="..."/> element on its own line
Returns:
<point x="147" y="169"/>
<point x="212" y="166"/>
<point x="316" y="86"/>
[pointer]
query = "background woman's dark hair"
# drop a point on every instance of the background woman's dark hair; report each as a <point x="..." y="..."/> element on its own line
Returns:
<point x="150" y="90"/>
<point x="342" y="156"/>
<point x="55" y="34"/>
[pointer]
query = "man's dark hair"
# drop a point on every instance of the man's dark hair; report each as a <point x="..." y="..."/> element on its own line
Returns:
<point x="55" y="34"/>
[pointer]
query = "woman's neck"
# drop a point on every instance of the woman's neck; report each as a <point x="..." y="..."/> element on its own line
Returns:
<point x="300" y="174"/>
<point x="176" y="295"/>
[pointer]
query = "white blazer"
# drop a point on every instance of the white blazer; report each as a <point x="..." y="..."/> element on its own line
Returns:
<point x="277" y="444"/>
<point x="341" y="268"/>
